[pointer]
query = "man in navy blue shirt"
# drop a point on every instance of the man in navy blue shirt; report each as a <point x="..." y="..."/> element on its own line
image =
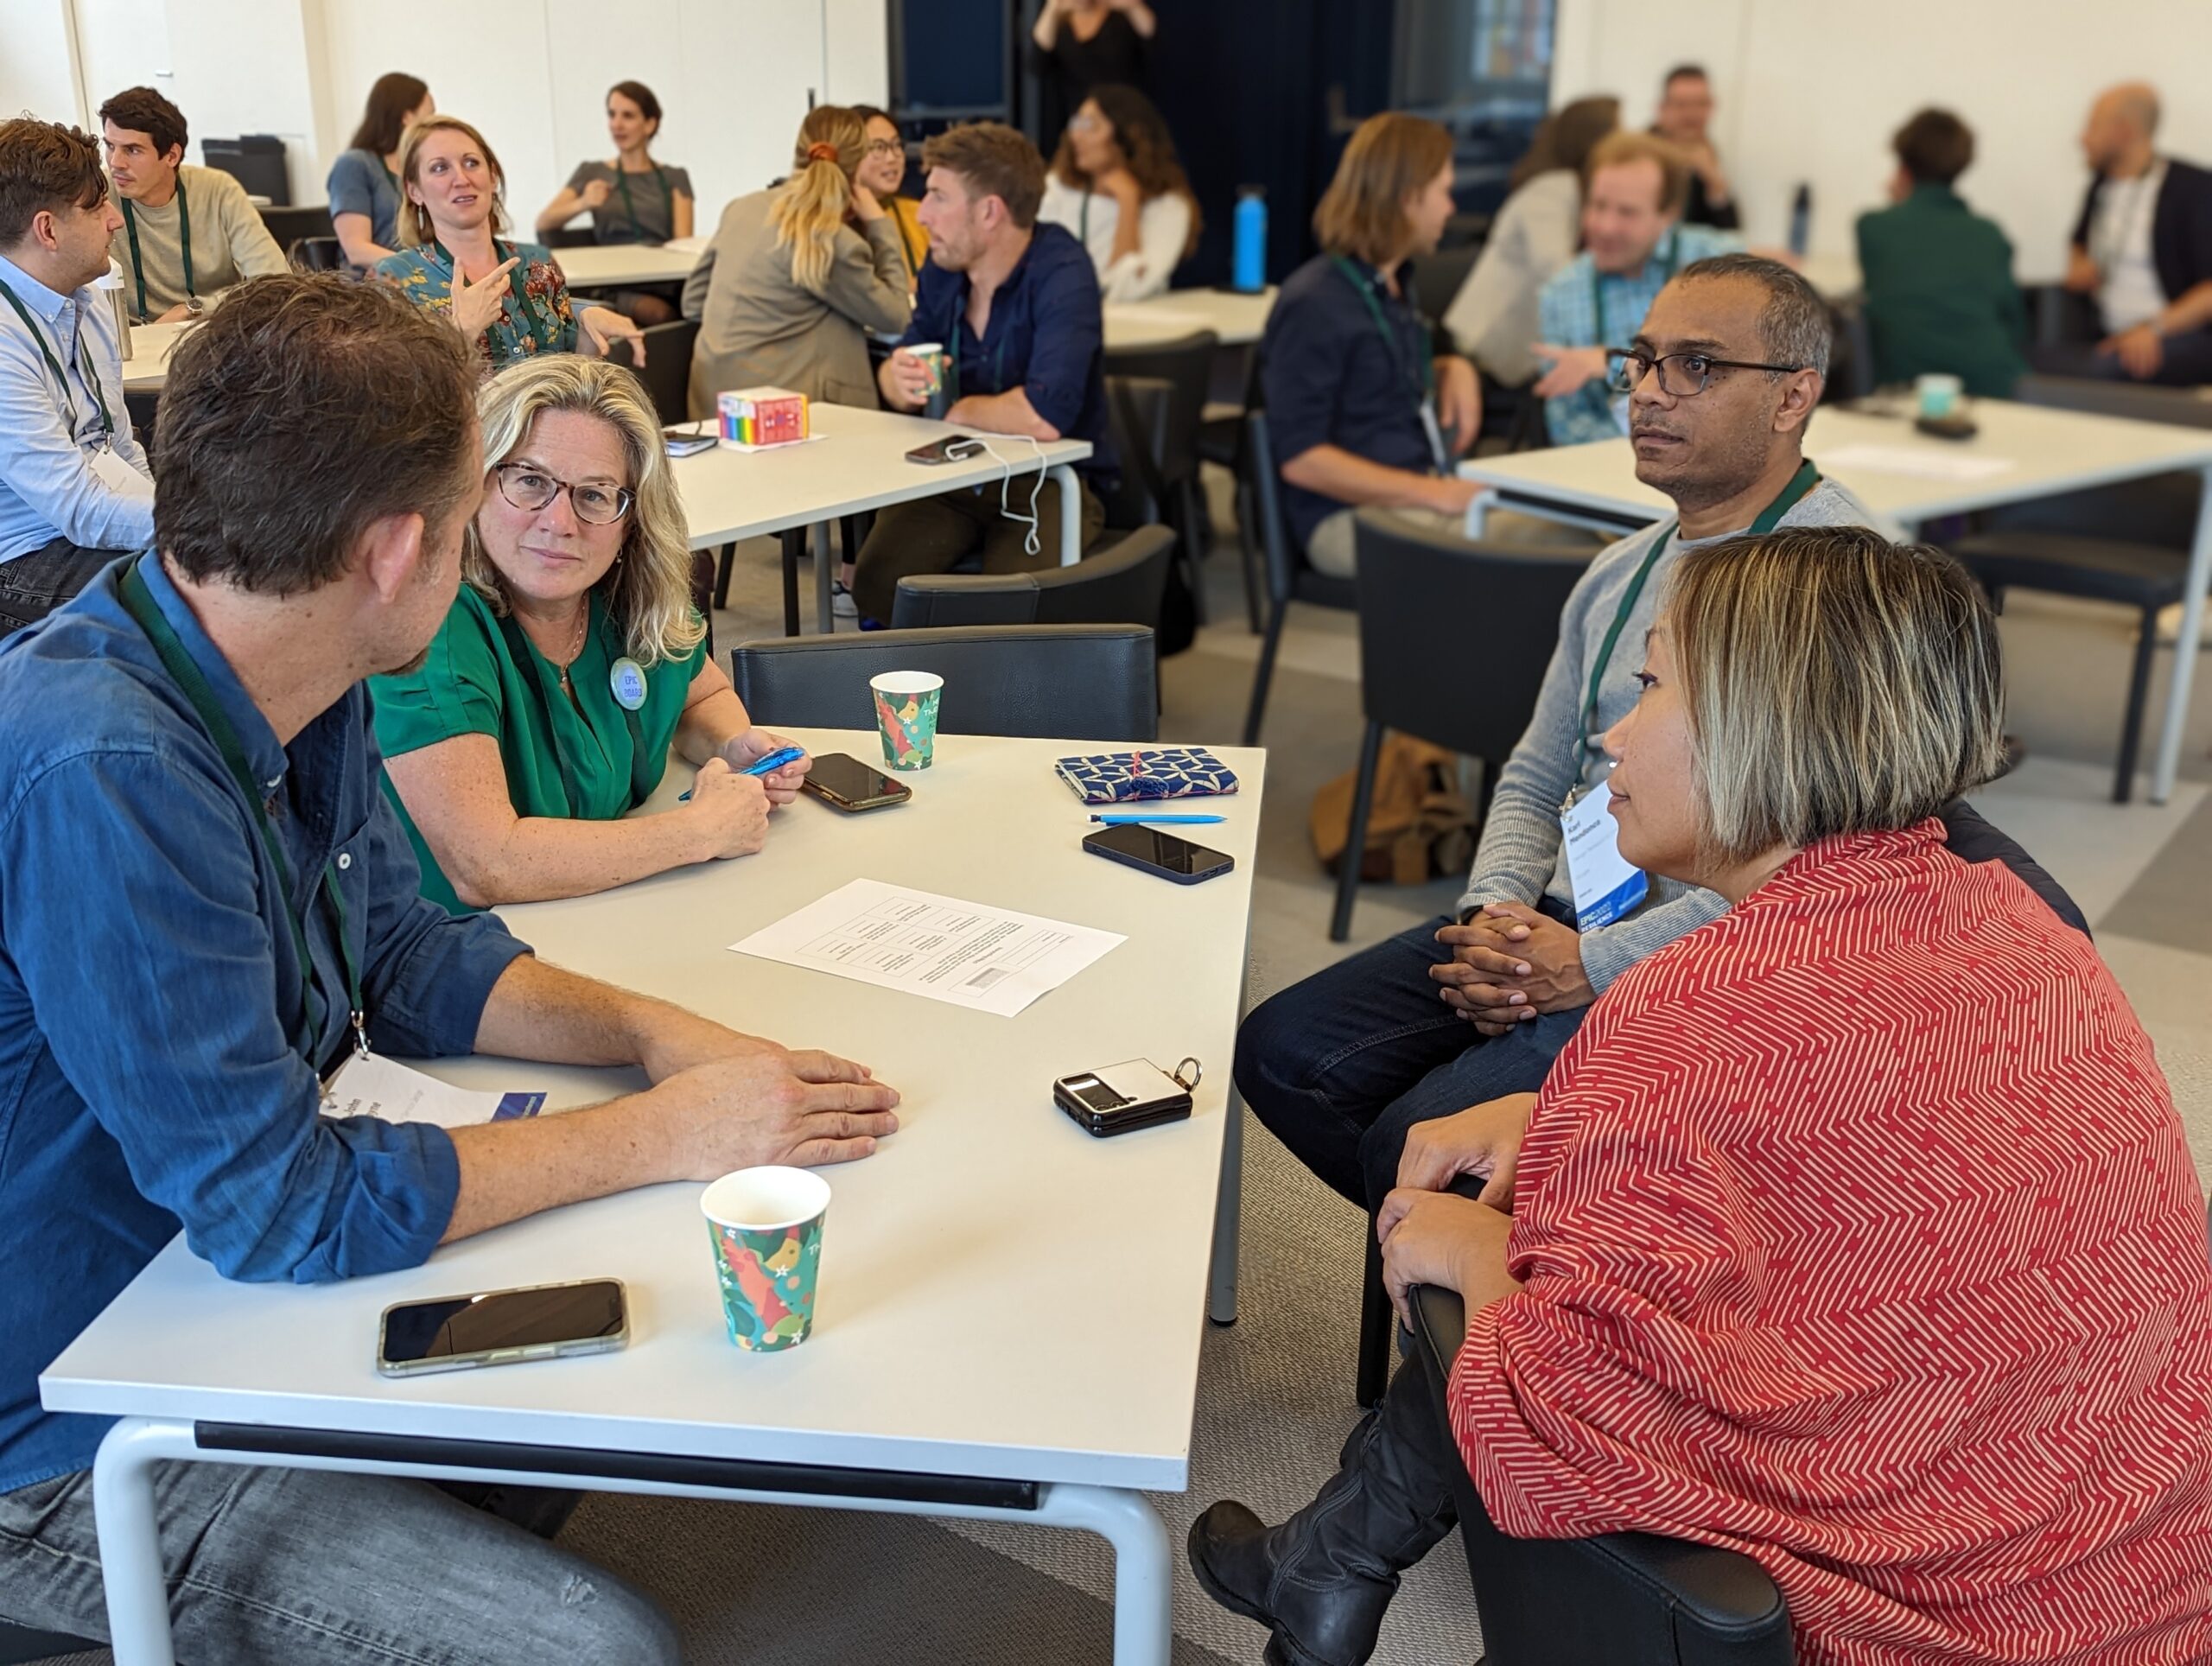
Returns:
<point x="206" y="905"/>
<point x="1361" y="408"/>
<point x="1014" y="305"/>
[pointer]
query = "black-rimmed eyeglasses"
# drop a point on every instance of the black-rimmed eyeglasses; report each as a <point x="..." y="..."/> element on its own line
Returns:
<point x="1682" y="375"/>
<point x="530" y="487"/>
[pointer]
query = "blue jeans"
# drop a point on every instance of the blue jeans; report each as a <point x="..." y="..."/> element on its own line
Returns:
<point x="1340" y="1066"/>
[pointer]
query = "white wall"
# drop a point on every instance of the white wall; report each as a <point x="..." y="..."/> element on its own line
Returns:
<point x="1812" y="92"/>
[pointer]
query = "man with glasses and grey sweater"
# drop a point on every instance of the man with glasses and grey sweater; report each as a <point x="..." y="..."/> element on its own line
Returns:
<point x="1722" y="381"/>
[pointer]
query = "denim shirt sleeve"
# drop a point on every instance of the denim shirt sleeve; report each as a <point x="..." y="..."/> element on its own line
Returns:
<point x="151" y="974"/>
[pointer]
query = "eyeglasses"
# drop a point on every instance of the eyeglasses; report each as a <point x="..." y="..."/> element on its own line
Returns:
<point x="885" y="148"/>
<point x="1628" y="369"/>
<point x="1085" y="122"/>
<point x="530" y="487"/>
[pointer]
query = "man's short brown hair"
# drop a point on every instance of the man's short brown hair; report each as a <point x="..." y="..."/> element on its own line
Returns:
<point x="142" y="110"/>
<point x="45" y="168"/>
<point x="1934" y="148"/>
<point x="1389" y="158"/>
<point x="995" y="161"/>
<point x="1616" y="149"/>
<point x="307" y="408"/>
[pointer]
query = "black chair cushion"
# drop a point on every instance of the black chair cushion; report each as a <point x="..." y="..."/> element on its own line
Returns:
<point x="1119" y="582"/>
<point x="2065" y="564"/>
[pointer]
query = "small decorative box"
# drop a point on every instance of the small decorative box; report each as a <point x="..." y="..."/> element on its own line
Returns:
<point x="753" y="417"/>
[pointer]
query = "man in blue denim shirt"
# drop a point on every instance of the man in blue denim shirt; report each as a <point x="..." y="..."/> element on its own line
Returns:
<point x="206" y="904"/>
<point x="1014" y="305"/>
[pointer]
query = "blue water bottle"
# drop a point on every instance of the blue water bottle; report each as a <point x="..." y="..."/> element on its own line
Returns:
<point x="1249" y="260"/>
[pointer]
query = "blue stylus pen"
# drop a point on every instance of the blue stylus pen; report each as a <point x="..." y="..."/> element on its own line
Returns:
<point x="768" y="765"/>
<point x="1121" y="819"/>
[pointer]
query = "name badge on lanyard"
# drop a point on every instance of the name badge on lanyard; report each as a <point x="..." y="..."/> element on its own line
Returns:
<point x="1606" y="887"/>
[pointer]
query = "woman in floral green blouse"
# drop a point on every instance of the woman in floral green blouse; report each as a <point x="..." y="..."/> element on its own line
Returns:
<point x="507" y="298"/>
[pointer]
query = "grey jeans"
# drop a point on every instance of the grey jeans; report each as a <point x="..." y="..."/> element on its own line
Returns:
<point x="309" y="1567"/>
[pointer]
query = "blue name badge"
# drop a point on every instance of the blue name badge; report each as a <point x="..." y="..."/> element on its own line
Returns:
<point x="1606" y="888"/>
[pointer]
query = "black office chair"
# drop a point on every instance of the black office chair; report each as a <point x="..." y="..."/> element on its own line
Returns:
<point x="1186" y="366"/>
<point x="1222" y="442"/>
<point x="289" y="225"/>
<point x="21" y="1646"/>
<point x="1291" y="577"/>
<point x="667" y="369"/>
<point x="1138" y="411"/>
<point x="1117" y="583"/>
<point x="1851" y="354"/>
<point x="1625" y="1598"/>
<point x="316" y="254"/>
<point x="1047" y="682"/>
<point x="568" y="237"/>
<point x="2126" y="543"/>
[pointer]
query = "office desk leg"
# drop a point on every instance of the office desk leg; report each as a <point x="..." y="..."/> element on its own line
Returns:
<point x="1229" y="1200"/>
<point x="825" y="565"/>
<point x="2187" y="646"/>
<point x="131" y="1550"/>
<point x="1071" y="513"/>
<point x="1144" y="1625"/>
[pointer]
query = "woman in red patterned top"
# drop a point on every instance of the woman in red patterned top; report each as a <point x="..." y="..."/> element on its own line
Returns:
<point x="1854" y="1231"/>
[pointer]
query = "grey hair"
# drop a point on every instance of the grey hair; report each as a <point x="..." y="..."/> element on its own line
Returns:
<point x="1795" y="325"/>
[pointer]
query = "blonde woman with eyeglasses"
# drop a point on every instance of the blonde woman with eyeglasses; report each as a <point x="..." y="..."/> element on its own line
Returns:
<point x="796" y="277"/>
<point x="542" y="712"/>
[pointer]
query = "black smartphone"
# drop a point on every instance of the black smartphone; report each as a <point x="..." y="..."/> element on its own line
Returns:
<point x="1132" y="1095"/>
<point x="1139" y="846"/>
<point x="845" y="782"/>
<point x="502" y="1327"/>
<point x="941" y="451"/>
<point x="686" y="443"/>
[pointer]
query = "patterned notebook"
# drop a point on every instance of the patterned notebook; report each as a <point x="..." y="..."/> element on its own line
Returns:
<point x="1119" y="778"/>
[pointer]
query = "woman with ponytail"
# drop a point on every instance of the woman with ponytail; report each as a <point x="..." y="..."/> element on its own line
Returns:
<point x="796" y="276"/>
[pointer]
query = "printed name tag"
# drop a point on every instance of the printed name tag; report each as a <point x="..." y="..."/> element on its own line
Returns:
<point x="1605" y="887"/>
<point x="118" y="476"/>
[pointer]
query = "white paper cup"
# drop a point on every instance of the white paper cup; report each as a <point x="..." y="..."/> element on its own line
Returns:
<point x="906" y="715"/>
<point x="1938" y="395"/>
<point x="765" y="1227"/>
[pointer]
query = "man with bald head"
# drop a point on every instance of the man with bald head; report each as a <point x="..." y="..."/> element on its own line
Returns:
<point x="2142" y="249"/>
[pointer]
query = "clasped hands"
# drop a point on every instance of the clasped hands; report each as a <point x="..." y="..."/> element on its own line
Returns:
<point x="1510" y="965"/>
<point x="1432" y="1236"/>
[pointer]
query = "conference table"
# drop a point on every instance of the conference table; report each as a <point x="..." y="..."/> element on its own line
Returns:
<point x="1238" y="319"/>
<point x="627" y="265"/>
<point x="2020" y="452"/>
<point x="1010" y="1310"/>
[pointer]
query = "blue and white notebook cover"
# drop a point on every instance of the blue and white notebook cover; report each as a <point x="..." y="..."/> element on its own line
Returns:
<point x="1121" y="777"/>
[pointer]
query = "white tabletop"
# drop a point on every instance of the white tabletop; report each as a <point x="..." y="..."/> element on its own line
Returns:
<point x="1238" y="320"/>
<point x="1002" y="1295"/>
<point x="611" y="265"/>
<point x="2046" y="451"/>
<point x="149" y="364"/>
<point x="858" y="463"/>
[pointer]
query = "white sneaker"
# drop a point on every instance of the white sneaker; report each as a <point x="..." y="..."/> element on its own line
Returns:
<point x="841" y="602"/>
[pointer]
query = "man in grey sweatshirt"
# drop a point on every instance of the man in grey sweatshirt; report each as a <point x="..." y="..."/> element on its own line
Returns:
<point x="1726" y="373"/>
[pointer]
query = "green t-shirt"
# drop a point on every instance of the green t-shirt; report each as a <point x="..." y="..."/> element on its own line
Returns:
<point x="563" y="758"/>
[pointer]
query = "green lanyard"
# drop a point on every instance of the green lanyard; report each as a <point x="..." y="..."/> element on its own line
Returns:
<point x="668" y="195"/>
<point x="1802" y="482"/>
<point x="138" y="601"/>
<point x="91" y="378"/>
<point x="1421" y="384"/>
<point x="515" y="301"/>
<point x="1083" y="235"/>
<point x="184" y="229"/>
<point x="525" y="655"/>
<point x="1597" y="283"/>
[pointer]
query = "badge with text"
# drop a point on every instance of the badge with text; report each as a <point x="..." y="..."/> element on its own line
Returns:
<point x="1606" y="887"/>
<point x="628" y="681"/>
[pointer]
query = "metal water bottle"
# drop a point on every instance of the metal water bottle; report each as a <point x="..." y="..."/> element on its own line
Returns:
<point x="1801" y="221"/>
<point x="1248" y="255"/>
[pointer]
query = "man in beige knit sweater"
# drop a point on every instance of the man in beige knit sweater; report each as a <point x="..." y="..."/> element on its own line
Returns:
<point x="188" y="233"/>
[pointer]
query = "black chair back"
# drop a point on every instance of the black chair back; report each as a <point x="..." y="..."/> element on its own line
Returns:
<point x="1436" y="610"/>
<point x="568" y="237"/>
<point x="316" y="254"/>
<point x="1187" y="366"/>
<point x="1119" y="582"/>
<point x="1139" y="410"/>
<point x="667" y="369"/>
<point x="288" y="225"/>
<point x="1050" y="681"/>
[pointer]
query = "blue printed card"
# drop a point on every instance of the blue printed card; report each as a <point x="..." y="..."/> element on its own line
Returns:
<point x="1121" y="777"/>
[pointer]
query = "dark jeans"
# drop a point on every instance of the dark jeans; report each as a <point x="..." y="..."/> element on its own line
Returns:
<point x="2188" y="361"/>
<point x="34" y="583"/>
<point x="1340" y="1066"/>
<point x="935" y="535"/>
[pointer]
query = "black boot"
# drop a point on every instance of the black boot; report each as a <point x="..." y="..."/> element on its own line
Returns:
<point x="1321" y="1580"/>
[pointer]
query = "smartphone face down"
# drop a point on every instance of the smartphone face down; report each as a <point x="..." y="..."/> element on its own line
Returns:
<point x="842" y="780"/>
<point x="1158" y="852"/>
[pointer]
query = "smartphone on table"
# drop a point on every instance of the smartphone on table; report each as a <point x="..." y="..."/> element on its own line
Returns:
<point x="843" y="782"/>
<point x="502" y="1327"/>
<point x="1135" y="845"/>
<point x="687" y="442"/>
<point x="952" y="449"/>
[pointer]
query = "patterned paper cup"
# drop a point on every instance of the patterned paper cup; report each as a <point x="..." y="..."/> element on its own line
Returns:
<point x="906" y="715"/>
<point x="766" y="1226"/>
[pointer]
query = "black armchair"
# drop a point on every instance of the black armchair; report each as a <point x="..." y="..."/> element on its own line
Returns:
<point x="1119" y="583"/>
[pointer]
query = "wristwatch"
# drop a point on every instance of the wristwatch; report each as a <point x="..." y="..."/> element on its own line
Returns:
<point x="194" y="305"/>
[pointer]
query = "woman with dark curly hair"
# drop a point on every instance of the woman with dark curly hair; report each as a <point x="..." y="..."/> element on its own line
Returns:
<point x="1115" y="184"/>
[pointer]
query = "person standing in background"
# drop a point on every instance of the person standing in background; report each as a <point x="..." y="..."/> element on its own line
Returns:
<point x="632" y="199"/>
<point x="364" y="183"/>
<point x="1116" y="183"/>
<point x="2142" y="249"/>
<point x="172" y="270"/>
<point x="1940" y="294"/>
<point x="1078" y="45"/>
<point x="884" y="173"/>
<point x="1493" y="318"/>
<point x="1685" y="118"/>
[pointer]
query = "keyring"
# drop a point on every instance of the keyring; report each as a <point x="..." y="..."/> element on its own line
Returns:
<point x="1197" y="1074"/>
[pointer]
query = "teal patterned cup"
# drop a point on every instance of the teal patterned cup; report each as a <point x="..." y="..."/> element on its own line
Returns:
<point x="766" y="1226"/>
<point x="905" y="716"/>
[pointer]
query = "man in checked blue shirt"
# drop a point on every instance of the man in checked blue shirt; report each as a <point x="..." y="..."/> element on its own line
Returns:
<point x="1632" y="244"/>
<point x="207" y="905"/>
<point x="75" y="490"/>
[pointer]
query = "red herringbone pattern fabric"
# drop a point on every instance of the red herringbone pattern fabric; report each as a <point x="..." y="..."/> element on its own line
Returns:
<point x="1859" y="1235"/>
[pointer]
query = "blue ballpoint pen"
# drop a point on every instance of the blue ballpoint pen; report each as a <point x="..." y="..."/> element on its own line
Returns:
<point x="1123" y="819"/>
<point x="768" y="765"/>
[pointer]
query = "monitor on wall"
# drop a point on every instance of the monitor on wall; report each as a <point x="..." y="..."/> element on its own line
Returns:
<point x="951" y="60"/>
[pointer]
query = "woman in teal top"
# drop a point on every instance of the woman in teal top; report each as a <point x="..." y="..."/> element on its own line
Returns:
<point x="507" y="299"/>
<point x="542" y="712"/>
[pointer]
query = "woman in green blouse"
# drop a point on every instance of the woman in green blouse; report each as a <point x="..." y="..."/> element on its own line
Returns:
<point x="543" y="712"/>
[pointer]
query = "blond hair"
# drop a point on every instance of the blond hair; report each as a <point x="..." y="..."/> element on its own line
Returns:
<point x="1834" y="683"/>
<point x="1363" y="212"/>
<point x="1618" y="149"/>
<point x="809" y="209"/>
<point x="648" y="590"/>
<point x="415" y="230"/>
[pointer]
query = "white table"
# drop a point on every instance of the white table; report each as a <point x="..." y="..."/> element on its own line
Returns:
<point x="622" y="265"/>
<point x="2047" y="452"/>
<point x="1010" y="1312"/>
<point x="859" y="463"/>
<point x="1238" y="320"/>
<point x="148" y="367"/>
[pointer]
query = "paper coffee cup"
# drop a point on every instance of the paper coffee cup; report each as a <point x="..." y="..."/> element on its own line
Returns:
<point x="766" y="1226"/>
<point x="931" y="353"/>
<point x="1938" y="395"/>
<point x="906" y="715"/>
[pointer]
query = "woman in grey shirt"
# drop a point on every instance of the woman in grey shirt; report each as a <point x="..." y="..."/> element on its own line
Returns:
<point x="633" y="198"/>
